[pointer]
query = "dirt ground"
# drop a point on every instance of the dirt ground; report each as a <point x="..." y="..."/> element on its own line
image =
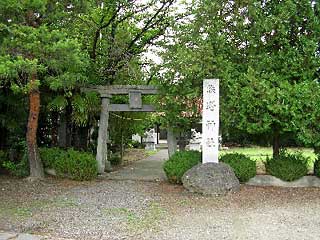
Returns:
<point x="106" y="209"/>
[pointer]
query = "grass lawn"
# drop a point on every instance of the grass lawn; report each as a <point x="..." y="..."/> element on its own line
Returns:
<point x="259" y="154"/>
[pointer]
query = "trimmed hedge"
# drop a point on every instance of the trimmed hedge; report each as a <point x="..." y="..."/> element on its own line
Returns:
<point x="179" y="163"/>
<point x="243" y="167"/>
<point x="288" y="166"/>
<point x="71" y="164"/>
<point x="50" y="156"/>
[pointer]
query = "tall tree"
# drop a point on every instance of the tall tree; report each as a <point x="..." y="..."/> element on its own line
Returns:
<point x="266" y="55"/>
<point x="269" y="63"/>
<point x="36" y="52"/>
<point x="117" y="33"/>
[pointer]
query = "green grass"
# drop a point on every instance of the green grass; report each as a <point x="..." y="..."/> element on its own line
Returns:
<point x="261" y="153"/>
<point x="149" y="220"/>
<point x="138" y="222"/>
<point x="27" y="209"/>
<point x="151" y="152"/>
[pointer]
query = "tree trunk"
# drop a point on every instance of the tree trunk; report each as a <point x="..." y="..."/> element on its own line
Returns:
<point x="80" y="140"/>
<point x="62" y="131"/>
<point x="276" y="143"/>
<point x="69" y="125"/>
<point x="182" y="142"/>
<point x="65" y="127"/>
<point x="36" y="168"/>
<point x="172" y="141"/>
<point x="54" y="128"/>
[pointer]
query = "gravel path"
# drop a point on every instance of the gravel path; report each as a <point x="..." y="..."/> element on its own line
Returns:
<point x="130" y="206"/>
<point x="110" y="209"/>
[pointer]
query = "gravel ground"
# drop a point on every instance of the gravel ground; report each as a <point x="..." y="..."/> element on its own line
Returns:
<point x="108" y="209"/>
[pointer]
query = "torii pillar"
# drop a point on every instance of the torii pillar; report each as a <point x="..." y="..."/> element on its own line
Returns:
<point x="135" y="105"/>
<point x="102" y="148"/>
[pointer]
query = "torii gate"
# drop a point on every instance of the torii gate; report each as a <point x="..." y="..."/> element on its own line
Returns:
<point x="135" y="93"/>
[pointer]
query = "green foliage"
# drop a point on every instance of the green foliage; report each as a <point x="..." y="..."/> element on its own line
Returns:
<point x="135" y="144"/>
<point x="50" y="156"/>
<point x="123" y="125"/>
<point x="271" y="67"/>
<point x="72" y="164"/>
<point x="265" y="54"/>
<point x="243" y="167"/>
<point x="179" y="163"/>
<point x="317" y="166"/>
<point x="77" y="166"/>
<point x="85" y="107"/>
<point x="186" y="63"/>
<point x="18" y="169"/>
<point x="18" y="165"/>
<point x="287" y="166"/>
<point x="68" y="45"/>
<point x="3" y="156"/>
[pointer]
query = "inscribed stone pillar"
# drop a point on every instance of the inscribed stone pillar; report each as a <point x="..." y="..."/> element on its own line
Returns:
<point x="102" y="153"/>
<point x="210" y="120"/>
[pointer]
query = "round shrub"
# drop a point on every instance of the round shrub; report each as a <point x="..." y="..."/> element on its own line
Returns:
<point x="179" y="163"/>
<point x="243" y="167"/>
<point x="288" y="166"/>
<point x="71" y="164"/>
<point x="50" y="156"/>
<point x="77" y="166"/>
<point x="317" y="166"/>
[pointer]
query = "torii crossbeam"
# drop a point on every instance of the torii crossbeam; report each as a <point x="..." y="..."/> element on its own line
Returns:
<point x="135" y="93"/>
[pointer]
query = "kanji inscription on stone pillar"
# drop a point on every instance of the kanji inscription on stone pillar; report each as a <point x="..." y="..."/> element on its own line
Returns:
<point x="210" y="120"/>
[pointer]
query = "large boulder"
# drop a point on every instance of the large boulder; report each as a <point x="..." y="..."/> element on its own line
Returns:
<point x="211" y="179"/>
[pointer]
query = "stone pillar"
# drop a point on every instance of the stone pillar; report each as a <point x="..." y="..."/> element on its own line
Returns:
<point x="172" y="141"/>
<point x="210" y="121"/>
<point x="102" y="153"/>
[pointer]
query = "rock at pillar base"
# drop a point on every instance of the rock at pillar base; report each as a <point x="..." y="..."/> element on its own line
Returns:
<point x="211" y="179"/>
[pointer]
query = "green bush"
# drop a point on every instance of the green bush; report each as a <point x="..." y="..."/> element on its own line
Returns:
<point x="287" y="166"/>
<point x="179" y="163"/>
<point x="50" y="156"/>
<point x="77" y="165"/>
<point x="317" y="166"/>
<point x="18" y="169"/>
<point x="71" y="164"/>
<point x="243" y="167"/>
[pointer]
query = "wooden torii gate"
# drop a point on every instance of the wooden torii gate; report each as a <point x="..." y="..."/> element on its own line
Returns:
<point x="135" y="93"/>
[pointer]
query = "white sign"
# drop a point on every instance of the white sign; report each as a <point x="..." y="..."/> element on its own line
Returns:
<point x="210" y="120"/>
